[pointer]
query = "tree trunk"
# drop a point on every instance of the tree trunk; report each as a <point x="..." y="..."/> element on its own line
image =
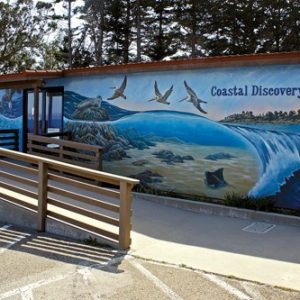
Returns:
<point x="138" y="31"/>
<point x="69" y="34"/>
<point x="127" y="32"/>
<point x="101" y="34"/>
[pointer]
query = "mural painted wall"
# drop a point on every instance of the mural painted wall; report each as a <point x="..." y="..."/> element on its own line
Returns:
<point x="207" y="132"/>
<point x="11" y="110"/>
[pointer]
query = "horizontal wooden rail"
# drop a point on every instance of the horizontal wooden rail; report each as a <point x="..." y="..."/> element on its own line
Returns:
<point x="38" y="183"/>
<point x="65" y="135"/>
<point x="18" y="179"/>
<point x="83" y="155"/>
<point x="92" y="188"/>
<point x="84" y="212"/>
<point x="9" y="138"/>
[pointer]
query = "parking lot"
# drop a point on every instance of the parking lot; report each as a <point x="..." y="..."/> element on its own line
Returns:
<point x="45" y="266"/>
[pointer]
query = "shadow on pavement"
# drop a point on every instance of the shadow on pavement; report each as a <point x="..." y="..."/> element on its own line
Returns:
<point x="61" y="249"/>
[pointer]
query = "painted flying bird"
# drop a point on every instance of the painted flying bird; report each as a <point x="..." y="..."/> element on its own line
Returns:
<point x="119" y="92"/>
<point x="159" y="97"/>
<point x="193" y="98"/>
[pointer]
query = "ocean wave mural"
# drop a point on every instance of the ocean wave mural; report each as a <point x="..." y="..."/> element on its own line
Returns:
<point x="11" y="111"/>
<point x="203" y="132"/>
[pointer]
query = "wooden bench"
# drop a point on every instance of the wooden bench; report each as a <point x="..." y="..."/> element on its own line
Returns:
<point x="88" y="156"/>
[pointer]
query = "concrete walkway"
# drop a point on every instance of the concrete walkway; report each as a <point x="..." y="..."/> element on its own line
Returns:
<point x="37" y="265"/>
<point x="216" y="244"/>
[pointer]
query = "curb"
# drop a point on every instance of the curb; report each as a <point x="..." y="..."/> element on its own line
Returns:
<point x="220" y="210"/>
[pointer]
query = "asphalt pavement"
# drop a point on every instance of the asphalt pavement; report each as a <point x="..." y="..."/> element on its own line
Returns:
<point x="46" y="266"/>
<point x="246" y="249"/>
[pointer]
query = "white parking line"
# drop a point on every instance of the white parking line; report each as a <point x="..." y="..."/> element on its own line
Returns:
<point x="15" y="240"/>
<point x="26" y="291"/>
<point x="252" y="290"/>
<point x="163" y="287"/>
<point x="26" y="294"/>
<point x="213" y="278"/>
<point x="227" y="287"/>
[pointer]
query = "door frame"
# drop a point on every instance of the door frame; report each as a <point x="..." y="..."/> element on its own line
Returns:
<point x="44" y="90"/>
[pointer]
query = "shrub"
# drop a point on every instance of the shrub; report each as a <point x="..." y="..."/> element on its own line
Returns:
<point x="255" y="203"/>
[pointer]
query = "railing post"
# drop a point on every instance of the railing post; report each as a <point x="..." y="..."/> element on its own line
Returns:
<point x="17" y="140"/>
<point x="125" y="215"/>
<point x="42" y="195"/>
<point x="29" y="144"/>
<point x="98" y="158"/>
<point x="61" y="151"/>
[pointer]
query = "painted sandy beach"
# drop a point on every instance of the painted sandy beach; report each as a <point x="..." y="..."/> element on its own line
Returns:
<point x="189" y="177"/>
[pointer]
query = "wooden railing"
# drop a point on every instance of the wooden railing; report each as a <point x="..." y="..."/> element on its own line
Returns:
<point x="26" y="180"/>
<point x="9" y="138"/>
<point x="83" y="155"/>
<point x="66" y="135"/>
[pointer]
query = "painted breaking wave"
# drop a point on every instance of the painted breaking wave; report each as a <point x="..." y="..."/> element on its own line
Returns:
<point x="279" y="155"/>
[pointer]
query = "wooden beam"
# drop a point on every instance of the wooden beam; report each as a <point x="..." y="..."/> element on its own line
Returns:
<point x="42" y="196"/>
<point x="36" y="110"/>
<point x="21" y="84"/>
<point x="125" y="215"/>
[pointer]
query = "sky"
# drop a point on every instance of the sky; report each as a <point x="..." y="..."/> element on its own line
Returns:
<point x="59" y="9"/>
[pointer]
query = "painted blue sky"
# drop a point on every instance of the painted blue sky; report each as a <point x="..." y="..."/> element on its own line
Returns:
<point x="140" y="88"/>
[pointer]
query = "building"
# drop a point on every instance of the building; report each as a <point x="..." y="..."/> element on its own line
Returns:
<point x="204" y="127"/>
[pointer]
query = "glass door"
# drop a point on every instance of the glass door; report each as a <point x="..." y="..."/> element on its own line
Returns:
<point x="50" y="111"/>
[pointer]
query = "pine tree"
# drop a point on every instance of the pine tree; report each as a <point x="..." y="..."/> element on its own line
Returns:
<point x="93" y="13"/>
<point x="192" y="17"/>
<point x="281" y="29"/>
<point x="140" y="9"/>
<point x="23" y="28"/>
<point x="116" y="31"/>
<point x="161" y="30"/>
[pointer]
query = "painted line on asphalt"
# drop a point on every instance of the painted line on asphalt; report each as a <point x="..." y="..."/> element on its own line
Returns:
<point x="252" y="290"/>
<point x="26" y="294"/>
<point x="26" y="290"/>
<point x="162" y="286"/>
<point x="211" y="277"/>
<point x="85" y="273"/>
<point x="227" y="287"/>
<point x="15" y="240"/>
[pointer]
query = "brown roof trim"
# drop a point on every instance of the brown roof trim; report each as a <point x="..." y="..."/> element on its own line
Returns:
<point x="192" y="63"/>
<point x="22" y="84"/>
<point x="181" y="64"/>
<point x="30" y="75"/>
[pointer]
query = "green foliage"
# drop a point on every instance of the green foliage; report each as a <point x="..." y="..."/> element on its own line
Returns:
<point x="32" y="35"/>
<point x="266" y="204"/>
<point x="23" y="27"/>
<point x="268" y="117"/>
<point x="161" y="33"/>
<point x="259" y="203"/>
